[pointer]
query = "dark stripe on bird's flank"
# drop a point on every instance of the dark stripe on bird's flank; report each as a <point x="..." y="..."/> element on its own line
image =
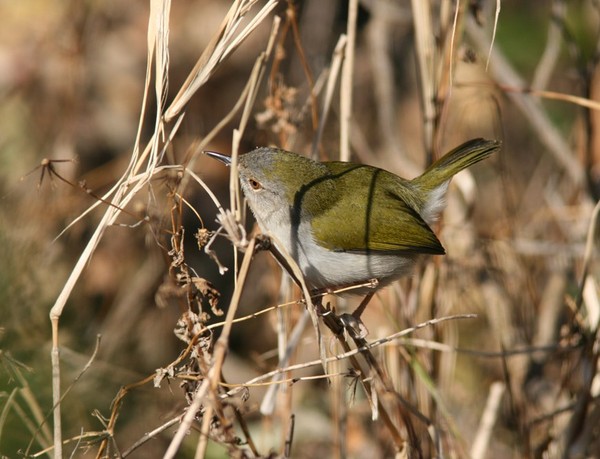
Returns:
<point x="369" y="208"/>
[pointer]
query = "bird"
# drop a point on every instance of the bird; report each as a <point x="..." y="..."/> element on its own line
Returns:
<point x="347" y="224"/>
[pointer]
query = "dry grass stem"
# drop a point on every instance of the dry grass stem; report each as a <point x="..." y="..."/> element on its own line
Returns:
<point x="346" y="84"/>
<point x="488" y="419"/>
<point x="336" y="64"/>
<point x="426" y="58"/>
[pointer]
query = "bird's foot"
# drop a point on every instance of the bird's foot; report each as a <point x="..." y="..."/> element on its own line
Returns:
<point x="354" y="326"/>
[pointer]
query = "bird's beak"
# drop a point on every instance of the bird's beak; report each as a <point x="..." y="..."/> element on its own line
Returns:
<point x="219" y="156"/>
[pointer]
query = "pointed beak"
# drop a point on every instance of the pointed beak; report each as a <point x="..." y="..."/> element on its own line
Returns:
<point x="219" y="156"/>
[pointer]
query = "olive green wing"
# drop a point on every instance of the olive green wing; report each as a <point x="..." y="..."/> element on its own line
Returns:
<point x="373" y="216"/>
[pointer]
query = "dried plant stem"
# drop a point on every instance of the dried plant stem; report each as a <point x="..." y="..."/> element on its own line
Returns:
<point x="346" y="83"/>
<point x="589" y="252"/>
<point x="379" y="410"/>
<point x="223" y="44"/>
<point x="372" y="345"/>
<point x="336" y="64"/>
<point x="55" y="355"/>
<point x="289" y="437"/>
<point x="116" y="405"/>
<point x="235" y="202"/>
<point x="56" y="380"/>
<point x="551" y="53"/>
<point x="122" y="197"/>
<point x="488" y="419"/>
<point x="426" y="55"/>
<point x="34" y="420"/>
<point x="208" y="388"/>
<point x="292" y="268"/>
<point x="293" y="19"/>
<point x="496" y="17"/>
<point x="207" y="419"/>
<point x="150" y="435"/>
<point x="553" y="95"/>
<point x="445" y="73"/>
<point x="268" y="403"/>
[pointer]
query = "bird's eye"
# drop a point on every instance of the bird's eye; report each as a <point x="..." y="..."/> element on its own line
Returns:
<point x="254" y="184"/>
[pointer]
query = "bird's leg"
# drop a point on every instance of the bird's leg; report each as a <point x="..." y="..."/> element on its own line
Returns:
<point x="363" y="304"/>
<point x="263" y="242"/>
<point x="352" y="322"/>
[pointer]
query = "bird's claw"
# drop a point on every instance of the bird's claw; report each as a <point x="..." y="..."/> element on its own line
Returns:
<point x="355" y="327"/>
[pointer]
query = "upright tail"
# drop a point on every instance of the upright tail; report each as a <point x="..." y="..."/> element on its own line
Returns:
<point x="451" y="163"/>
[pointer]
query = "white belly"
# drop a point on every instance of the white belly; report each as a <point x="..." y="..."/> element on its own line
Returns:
<point x="324" y="269"/>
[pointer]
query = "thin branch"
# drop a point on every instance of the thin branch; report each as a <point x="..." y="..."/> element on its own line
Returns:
<point x="150" y="435"/>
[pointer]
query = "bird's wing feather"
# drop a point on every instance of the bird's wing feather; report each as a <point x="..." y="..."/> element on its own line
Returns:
<point x="374" y="217"/>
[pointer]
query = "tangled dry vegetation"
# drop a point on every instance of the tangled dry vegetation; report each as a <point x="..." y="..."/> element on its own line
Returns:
<point x="172" y="335"/>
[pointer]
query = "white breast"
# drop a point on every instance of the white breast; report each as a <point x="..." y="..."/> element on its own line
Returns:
<point x="323" y="268"/>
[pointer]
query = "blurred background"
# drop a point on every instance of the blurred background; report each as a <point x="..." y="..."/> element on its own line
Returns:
<point x="72" y="82"/>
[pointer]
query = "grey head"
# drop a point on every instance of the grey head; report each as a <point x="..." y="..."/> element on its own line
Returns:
<point x="271" y="178"/>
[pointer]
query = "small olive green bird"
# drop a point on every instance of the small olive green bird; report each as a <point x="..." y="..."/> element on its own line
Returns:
<point x="345" y="223"/>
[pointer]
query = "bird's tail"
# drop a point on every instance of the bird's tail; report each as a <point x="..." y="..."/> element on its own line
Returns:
<point x="455" y="161"/>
